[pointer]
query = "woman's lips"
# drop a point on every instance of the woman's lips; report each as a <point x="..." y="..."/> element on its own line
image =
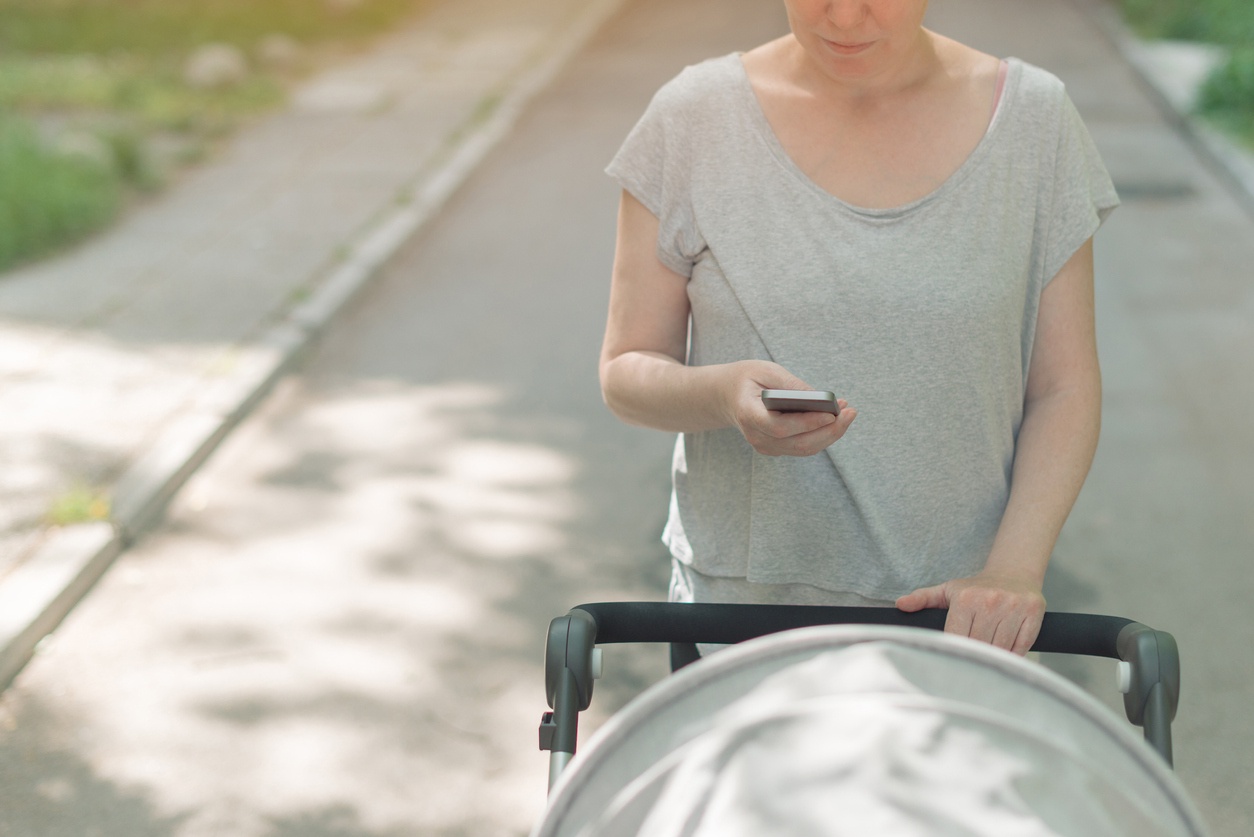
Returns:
<point x="848" y="49"/>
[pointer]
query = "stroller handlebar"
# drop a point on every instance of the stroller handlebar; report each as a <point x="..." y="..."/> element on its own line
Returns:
<point x="1151" y="656"/>
<point x="617" y="622"/>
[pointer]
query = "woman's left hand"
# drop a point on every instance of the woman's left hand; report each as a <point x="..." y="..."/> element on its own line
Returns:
<point x="1002" y="610"/>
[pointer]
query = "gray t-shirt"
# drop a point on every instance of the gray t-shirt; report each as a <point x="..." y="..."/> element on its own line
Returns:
<point x="922" y="316"/>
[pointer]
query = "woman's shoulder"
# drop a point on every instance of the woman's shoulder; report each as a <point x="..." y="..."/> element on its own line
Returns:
<point x="1036" y="84"/>
<point x="703" y="83"/>
<point x="1033" y="82"/>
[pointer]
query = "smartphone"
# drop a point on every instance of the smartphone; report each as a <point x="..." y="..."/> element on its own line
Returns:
<point x="800" y="401"/>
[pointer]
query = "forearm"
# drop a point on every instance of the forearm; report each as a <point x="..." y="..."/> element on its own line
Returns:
<point x="1003" y="604"/>
<point x="652" y="389"/>
<point x="1056" y="444"/>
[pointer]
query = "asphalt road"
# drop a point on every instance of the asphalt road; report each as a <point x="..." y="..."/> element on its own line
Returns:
<point x="338" y="629"/>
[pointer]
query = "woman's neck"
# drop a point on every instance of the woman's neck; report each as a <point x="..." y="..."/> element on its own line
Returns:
<point x="910" y="68"/>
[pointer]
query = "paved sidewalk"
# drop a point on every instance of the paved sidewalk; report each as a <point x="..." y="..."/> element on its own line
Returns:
<point x="301" y="648"/>
<point x="124" y="362"/>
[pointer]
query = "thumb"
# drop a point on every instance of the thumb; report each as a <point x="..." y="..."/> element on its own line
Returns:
<point x="923" y="598"/>
<point x="774" y="376"/>
<point x="791" y="381"/>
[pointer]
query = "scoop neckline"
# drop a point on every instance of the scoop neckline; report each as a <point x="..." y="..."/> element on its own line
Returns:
<point x="763" y="125"/>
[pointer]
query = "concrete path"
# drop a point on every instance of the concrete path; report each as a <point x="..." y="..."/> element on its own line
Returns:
<point x="337" y="629"/>
<point x="125" y="361"/>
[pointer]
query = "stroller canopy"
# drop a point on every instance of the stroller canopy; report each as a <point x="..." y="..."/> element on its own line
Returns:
<point x="850" y="730"/>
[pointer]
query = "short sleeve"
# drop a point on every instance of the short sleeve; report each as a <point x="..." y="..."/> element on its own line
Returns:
<point x="655" y="165"/>
<point x="1081" y="192"/>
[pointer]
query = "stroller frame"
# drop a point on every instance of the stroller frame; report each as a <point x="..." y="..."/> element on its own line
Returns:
<point x="1149" y="669"/>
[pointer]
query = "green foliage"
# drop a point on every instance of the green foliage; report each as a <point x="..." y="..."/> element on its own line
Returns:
<point x="150" y="94"/>
<point x="1227" y="99"/>
<point x="80" y="504"/>
<point x="162" y="27"/>
<point x="1228" y="96"/>
<point x="1229" y="22"/>
<point x="109" y="74"/>
<point x="131" y="161"/>
<point x="48" y="198"/>
<point x="56" y="81"/>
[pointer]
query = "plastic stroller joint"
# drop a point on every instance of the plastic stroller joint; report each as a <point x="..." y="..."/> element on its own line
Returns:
<point x="571" y="640"/>
<point x="1154" y="690"/>
<point x="569" y="671"/>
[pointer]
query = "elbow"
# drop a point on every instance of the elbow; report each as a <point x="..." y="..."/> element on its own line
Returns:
<point x="611" y="392"/>
<point x="611" y="401"/>
<point x="621" y="408"/>
<point x="622" y="391"/>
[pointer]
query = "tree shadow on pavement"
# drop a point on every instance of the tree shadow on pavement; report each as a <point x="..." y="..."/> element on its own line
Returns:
<point x="47" y="789"/>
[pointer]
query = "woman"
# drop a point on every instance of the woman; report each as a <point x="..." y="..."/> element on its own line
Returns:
<point x="867" y="207"/>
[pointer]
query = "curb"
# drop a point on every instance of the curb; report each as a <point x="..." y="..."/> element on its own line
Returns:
<point x="37" y="595"/>
<point x="1233" y="165"/>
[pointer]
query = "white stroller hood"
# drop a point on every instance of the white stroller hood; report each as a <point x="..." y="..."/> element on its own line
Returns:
<point x="866" y="731"/>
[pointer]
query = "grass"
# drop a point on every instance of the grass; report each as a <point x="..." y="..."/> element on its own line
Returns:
<point x="161" y="27"/>
<point x="49" y="198"/>
<point x="1228" y="22"/>
<point x="95" y="108"/>
<point x="79" y="504"/>
<point x="1227" y="99"/>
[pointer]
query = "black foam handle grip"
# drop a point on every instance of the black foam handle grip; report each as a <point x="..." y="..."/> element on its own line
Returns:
<point x="617" y="622"/>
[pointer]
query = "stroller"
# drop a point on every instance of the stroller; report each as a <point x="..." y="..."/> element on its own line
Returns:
<point x="855" y="721"/>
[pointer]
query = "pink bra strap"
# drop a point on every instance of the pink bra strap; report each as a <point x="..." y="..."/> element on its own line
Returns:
<point x="1002" y="72"/>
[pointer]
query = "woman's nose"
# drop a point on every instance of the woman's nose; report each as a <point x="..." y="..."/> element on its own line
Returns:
<point x="846" y="14"/>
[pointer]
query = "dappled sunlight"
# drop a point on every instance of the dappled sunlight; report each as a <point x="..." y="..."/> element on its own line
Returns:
<point x="338" y="578"/>
<point x="387" y="418"/>
<point x="75" y="408"/>
<point x="503" y="500"/>
<point x="338" y="629"/>
<point x="502" y="539"/>
<point x="409" y="458"/>
<point x="494" y="463"/>
<point x="46" y="787"/>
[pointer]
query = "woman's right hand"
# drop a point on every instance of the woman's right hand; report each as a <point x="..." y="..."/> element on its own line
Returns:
<point x="644" y="377"/>
<point x="774" y="433"/>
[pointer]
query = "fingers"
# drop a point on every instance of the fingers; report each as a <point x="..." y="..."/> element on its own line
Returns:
<point x="961" y="621"/>
<point x="768" y="375"/>
<point x="796" y="434"/>
<point x="923" y="598"/>
<point x="787" y="425"/>
<point x="1005" y="632"/>
<point x="1028" y="632"/>
<point x="1006" y="615"/>
<point x="781" y="433"/>
<point x="1010" y="632"/>
<point x="1002" y="616"/>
